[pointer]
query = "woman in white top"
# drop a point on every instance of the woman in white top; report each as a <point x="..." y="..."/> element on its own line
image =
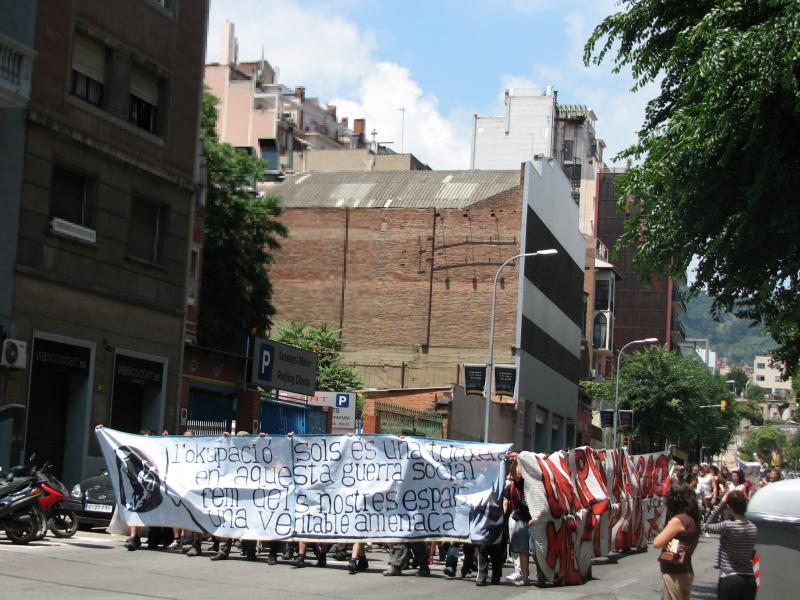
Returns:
<point x="705" y="486"/>
<point x="736" y="482"/>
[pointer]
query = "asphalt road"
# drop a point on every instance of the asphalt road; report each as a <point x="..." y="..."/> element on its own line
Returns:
<point x="95" y="565"/>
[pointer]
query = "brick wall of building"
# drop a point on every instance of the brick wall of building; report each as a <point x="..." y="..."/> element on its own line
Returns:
<point x="421" y="400"/>
<point x="403" y="326"/>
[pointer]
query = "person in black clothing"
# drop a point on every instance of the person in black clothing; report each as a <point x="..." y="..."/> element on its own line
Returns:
<point x="467" y="563"/>
<point x="400" y="554"/>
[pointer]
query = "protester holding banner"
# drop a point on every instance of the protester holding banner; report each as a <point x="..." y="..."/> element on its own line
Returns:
<point x="358" y="559"/>
<point x="681" y="535"/>
<point x="409" y="492"/>
<point x="402" y="553"/>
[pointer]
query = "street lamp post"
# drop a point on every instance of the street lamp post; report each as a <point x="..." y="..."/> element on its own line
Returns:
<point x="616" y="393"/>
<point x="487" y="388"/>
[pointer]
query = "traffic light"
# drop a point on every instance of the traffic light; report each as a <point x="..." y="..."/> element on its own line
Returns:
<point x="723" y="405"/>
<point x="626" y="441"/>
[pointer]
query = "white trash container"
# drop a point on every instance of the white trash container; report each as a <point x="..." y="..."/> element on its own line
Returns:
<point x="775" y="510"/>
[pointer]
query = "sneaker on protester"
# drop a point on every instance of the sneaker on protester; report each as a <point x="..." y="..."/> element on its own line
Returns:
<point x="522" y="581"/>
<point x="515" y="576"/>
<point x="174" y="545"/>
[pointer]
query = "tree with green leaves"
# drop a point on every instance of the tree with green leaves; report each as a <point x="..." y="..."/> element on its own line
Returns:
<point x="792" y="451"/>
<point x="739" y="378"/>
<point x="714" y="168"/>
<point x="750" y="409"/>
<point x="327" y="343"/>
<point x="763" y="443"/>
<point x="755" y="392"/>
<point x="667" y="394"/>
<point x="601" y="391"/>
<point x="241" y="233"/>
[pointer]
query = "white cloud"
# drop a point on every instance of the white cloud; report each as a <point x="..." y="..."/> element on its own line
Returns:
<point x="320" y="49"/>
<point x="337" y="62"/>
<point x="436" y="139"/>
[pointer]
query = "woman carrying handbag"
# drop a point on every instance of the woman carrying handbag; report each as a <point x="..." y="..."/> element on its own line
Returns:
<point x="677" y="542"/>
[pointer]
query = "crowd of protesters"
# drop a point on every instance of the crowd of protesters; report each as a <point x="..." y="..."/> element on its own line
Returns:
<point x="701" y="499"/>
<point x="509" y="541"/>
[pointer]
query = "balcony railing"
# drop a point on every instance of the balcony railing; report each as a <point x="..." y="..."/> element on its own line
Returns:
<point x="16" y="66"/>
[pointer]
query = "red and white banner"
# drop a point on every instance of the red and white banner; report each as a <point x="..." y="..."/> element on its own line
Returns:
<point x="588" y="502"/>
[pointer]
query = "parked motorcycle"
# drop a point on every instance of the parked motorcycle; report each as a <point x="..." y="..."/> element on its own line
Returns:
<point x="20" y="514"/>
<point x="59" y="509"/>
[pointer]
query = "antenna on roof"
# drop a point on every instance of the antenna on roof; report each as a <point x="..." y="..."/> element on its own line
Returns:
<point x="402" y="126"/>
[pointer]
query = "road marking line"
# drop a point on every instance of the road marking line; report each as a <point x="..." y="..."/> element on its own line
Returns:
<point x="625" y="582"/>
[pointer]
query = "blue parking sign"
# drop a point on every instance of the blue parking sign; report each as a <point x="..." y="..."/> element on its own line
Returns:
<point x="265" y="357"/>
<point x="342" y="400"/>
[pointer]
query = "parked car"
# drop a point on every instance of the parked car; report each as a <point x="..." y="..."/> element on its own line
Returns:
<point x="97" y="499"/>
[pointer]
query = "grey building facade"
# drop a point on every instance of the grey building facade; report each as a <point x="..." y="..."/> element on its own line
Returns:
<point x="104" y="225"/>
<point x="550" y="311"/>
<point x="17" y="29"/>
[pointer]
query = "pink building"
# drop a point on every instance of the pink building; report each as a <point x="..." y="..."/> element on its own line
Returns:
<point x="268" y="119"/>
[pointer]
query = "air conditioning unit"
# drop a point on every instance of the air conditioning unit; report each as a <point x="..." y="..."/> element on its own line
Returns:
<point x="14" y="354"/>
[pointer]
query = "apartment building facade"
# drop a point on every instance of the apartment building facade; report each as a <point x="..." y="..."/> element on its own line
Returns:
<point x="103" y="242"/>
<point x="17" y="31"/>
<point x="534" y="124"/>
<point x="642" y="309"/>
<point x="767" y="375"/>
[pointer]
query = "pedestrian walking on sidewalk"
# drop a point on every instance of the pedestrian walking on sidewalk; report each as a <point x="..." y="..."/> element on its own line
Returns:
<point x="683" y="525"/>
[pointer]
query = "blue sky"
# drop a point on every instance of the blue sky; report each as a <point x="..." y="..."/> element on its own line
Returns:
<point x="441" y="60"/>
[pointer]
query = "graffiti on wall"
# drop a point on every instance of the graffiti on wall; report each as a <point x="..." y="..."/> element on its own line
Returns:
<point x="587" y="502"/>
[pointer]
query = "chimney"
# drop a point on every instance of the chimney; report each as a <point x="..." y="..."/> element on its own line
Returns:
<point x="344" y="123"/>
<point x="300" y="93"/>
<point x="227" y="44"/>
<point x="359" y="126"/>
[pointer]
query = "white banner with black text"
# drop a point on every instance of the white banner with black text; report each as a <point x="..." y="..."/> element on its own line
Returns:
<point x="343" y="488"/>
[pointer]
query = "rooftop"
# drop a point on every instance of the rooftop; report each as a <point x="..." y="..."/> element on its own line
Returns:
<point x="391" y="189"/>
<point x="575" y="111"/>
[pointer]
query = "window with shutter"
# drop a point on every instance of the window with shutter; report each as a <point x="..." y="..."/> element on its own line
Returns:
<point x="88" y="69"/>
<point x="144" y="89"/>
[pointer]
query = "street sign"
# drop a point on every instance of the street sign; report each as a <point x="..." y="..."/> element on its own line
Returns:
<point x="343" y="405"/>
<point x="283" y="367"/>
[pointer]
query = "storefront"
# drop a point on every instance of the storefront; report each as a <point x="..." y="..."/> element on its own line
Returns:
<point x="139" y="392"/>
<point x="59" y="403"/>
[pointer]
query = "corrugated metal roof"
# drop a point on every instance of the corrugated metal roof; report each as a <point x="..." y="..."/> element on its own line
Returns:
<point x="395" y="189"/>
